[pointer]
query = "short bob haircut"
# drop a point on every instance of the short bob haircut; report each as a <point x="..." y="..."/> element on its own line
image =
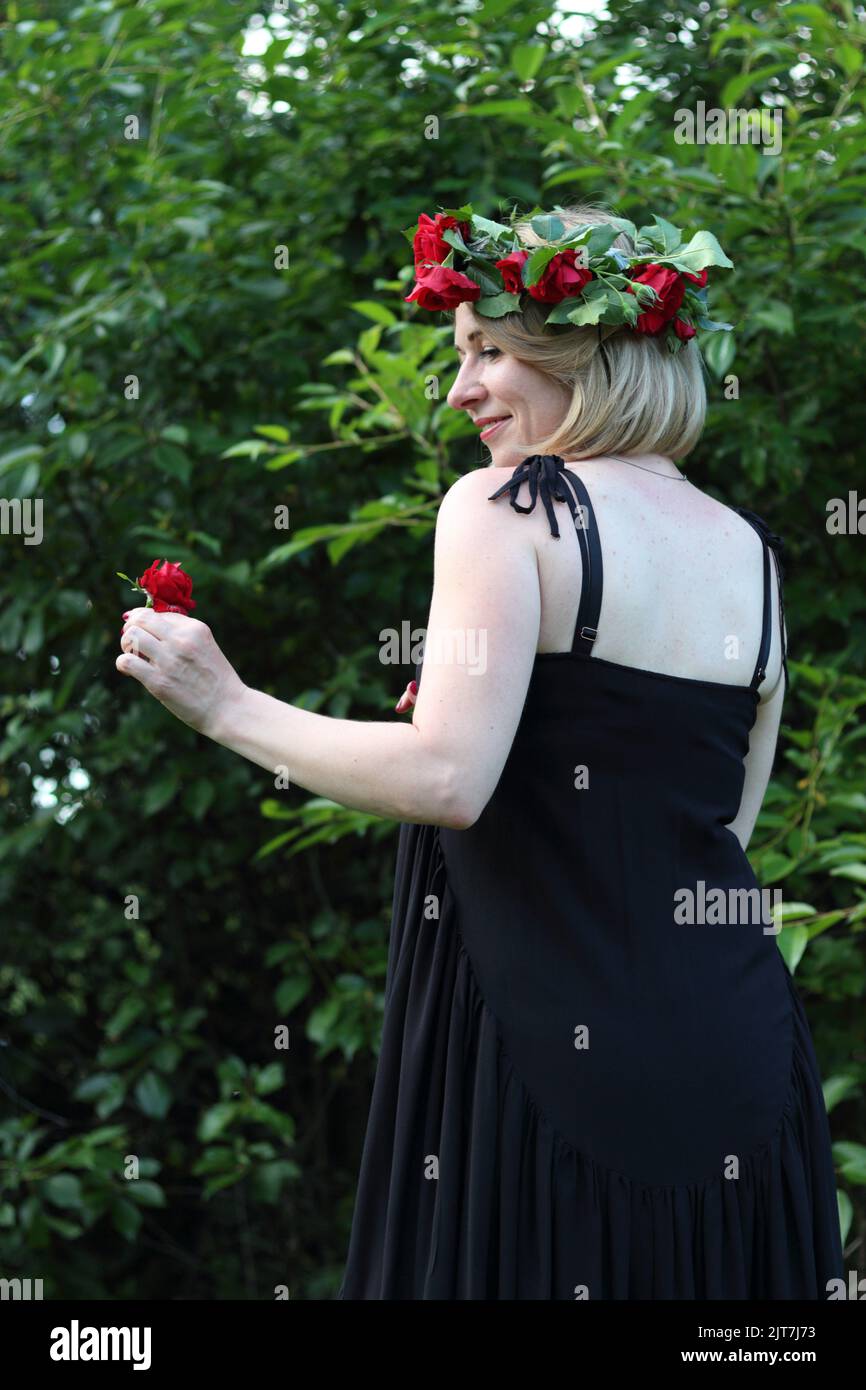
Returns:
<point x="656" y="402"/>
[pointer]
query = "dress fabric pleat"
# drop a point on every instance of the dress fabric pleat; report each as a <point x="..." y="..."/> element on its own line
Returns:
<point x="577" y="1095"/>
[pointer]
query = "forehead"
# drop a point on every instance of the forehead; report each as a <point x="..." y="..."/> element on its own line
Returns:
<point x="466" y="328"/>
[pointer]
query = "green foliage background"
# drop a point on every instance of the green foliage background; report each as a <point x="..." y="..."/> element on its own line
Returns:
<point x="150" y="254"/>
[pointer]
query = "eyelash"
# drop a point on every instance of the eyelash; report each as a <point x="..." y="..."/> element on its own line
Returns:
<point x="483" y="353"/>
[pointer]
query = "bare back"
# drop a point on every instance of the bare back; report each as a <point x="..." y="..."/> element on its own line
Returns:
<point x="683" y="595"/>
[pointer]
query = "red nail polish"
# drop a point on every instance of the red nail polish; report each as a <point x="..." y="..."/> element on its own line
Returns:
<point x="413" y="686"/>
<point x="126" y="615"/>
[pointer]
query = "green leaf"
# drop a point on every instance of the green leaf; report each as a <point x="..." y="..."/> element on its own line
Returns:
<point x="172" y="461"/>
<point x="840" y="1087"/>
<point x="270" y="1078"/>
<point x="493" y="306"/>
<point x="548" y="228"/>
<point x="126" y="1218"/>
<point x="277" y="432"/>
<point x="846" y="1213"/>
<point x="775" y="315"/>
<point x="537" y="262"/>
<point x="263" y="288"/>
<point x="166" y="1055"/>
<point x="754" y="80"/>
<point x="851" y="1160"/>
<point x="147" y="1194"/>
<point x="289" y="992"/>
<point x="32" y="637"/>
<point x="177" y="434"/>
<point x="269" y="1178"/>
<point x="198" y="796"/>
<point x="856" y="872"/>
<point x="578" y="310"/>
<point x="159" y="792"/>
<point x="792" y="942"/>
<point x="126" y="1013"/>
<point x="703" y="250"/>
<point x="186" y="338"/>
<point x="791" y="911"/>
<point x="64" y="1190"/>
<point x="76" y="443"/>
<point x="719" y="352"/>
<point x="107" y="1089"/>
<point x="663" y="235"/>
<point x="27" y="453"/>
<point x="774" y="866"/>
<point x="248" y="448"/>
<point x="371" y="309"/>
<point x="850" y="57"/>
<point x="278" y="461"/>
<point x="526" y="59"/>
<point x="153" y="1096"/>
<point x="215" y="1120"/>
<point x="69" y="1230"/>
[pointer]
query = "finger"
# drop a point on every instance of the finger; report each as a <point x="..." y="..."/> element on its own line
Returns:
<point x="140" y="642"/>
<point x="146" y="619"/>
<point x="129" y="665"/>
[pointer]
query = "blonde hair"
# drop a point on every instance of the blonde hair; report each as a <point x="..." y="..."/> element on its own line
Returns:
<point x="656" y="401"/>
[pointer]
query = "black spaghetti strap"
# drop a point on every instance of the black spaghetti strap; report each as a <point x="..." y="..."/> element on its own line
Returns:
<point x="770" y="541"/>
<point x="544" y="473"/>
<point x="589" y="609"/>
<point x="779" y="578"/>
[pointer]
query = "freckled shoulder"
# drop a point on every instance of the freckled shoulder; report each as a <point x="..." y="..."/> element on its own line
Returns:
<point x="467" y="504"/>
<point x="473" y="491"/>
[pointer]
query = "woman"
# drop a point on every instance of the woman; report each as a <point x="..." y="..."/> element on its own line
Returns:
<point x="596" y="1077"/>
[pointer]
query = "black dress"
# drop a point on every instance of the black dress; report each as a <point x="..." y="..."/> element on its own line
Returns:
<point x="579" y="1096"/>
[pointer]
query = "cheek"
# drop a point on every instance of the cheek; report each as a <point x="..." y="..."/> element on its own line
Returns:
<point x="509" y="383"/>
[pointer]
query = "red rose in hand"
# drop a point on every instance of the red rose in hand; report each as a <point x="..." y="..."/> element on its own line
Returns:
<point x="169" y="587"/>
<point x="428" y="244"/>
<point x="439" y="287"/>
<point x="561" y="279"/>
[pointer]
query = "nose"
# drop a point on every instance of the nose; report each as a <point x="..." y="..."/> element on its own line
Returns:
<point x="466" y="391"/>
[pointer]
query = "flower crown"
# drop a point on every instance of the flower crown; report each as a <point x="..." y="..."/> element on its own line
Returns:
<point x="661" y="289"/>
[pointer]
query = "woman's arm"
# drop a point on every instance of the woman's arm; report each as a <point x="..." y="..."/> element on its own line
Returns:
<point x="385" y="768"/>
<point x="479" y="651"/>
<point x="758" y="762"/>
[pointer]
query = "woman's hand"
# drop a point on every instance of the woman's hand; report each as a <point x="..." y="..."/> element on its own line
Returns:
<point x="408" y="698"/>
<point x="177" y="660"/>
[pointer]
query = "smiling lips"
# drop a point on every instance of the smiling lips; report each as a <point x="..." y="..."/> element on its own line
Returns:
<point x="489" y="429"/>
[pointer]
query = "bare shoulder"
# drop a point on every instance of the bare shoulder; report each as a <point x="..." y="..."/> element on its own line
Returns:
<point x="470" y="524"/>
<point x="524" y="523"/>
<point x="475" y="486"/>
<point x="470" y="502"/>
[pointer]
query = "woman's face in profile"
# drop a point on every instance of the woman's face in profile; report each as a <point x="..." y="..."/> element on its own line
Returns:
<point x="491" y="383"/>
